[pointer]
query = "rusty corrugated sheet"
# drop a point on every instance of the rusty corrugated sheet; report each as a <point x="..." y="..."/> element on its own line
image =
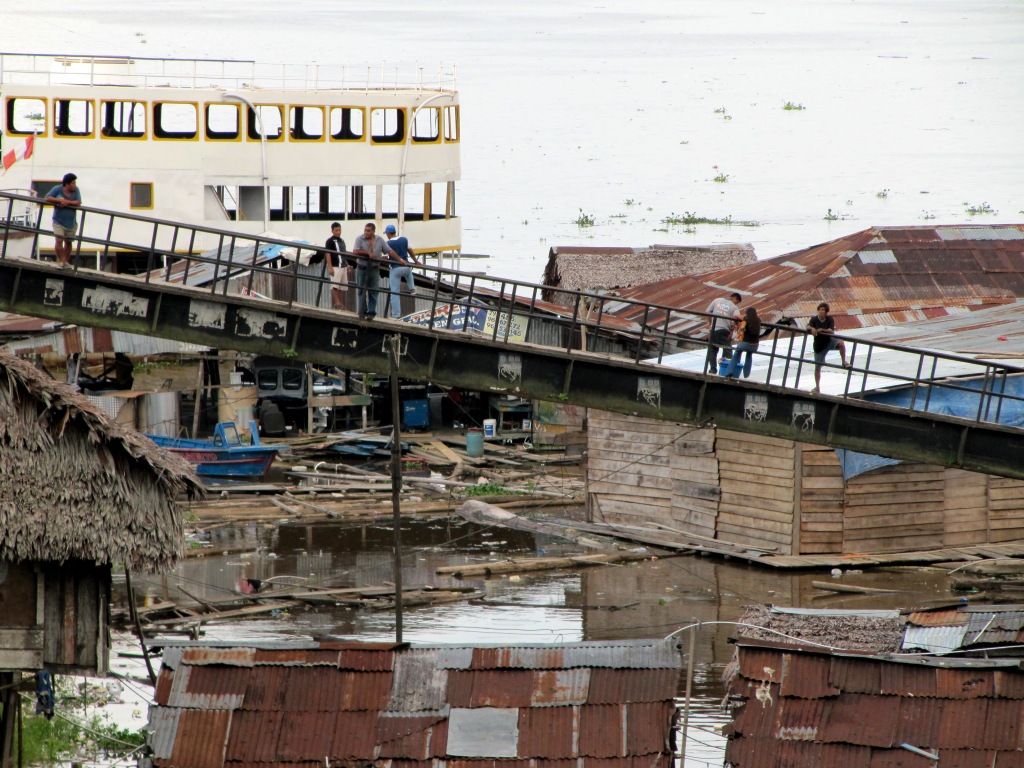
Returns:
<point x="286" y="707"/>
<point x="918" y="720"/>
<point x="1008" y="684"/>
<point x="548" y="732"/>
<point x="200" y="739"/>
<point x="761" y="664"/>
<point x="559" y="687"/>
<point x="807" y="676"/>
<point x="305" y="736"/>
<point x="856" y="675"/>
<point x="906" y="680"/>
<point x="795" y="719"/>
<point x="946" y="618"/>
<point x="490" y="688"/>
<point x="237" y="657"/>
<point x="867" y="720"/>
<point x="208" y="687"/>
<point x="609" y="686"/>
<point x="602" y="731"/>
<point x="254" y="735"/>
<point x="646" y="725"/>
<point x="964" y="683"/>
<point x="297" y="657"/>
<point x="959" y="723"/>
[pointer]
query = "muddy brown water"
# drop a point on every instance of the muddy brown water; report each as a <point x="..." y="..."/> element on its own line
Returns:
<point x="637" y="600"/>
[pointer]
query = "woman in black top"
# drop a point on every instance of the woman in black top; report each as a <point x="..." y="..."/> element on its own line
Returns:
<point x="822" y="329"/>
<point x="749" y="333"/>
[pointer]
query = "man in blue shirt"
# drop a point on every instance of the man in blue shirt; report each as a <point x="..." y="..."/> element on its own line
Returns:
<point x="400" y="269"/>
<point x="65" y="199"/>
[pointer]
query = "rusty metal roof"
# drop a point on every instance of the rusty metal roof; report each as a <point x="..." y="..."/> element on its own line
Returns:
<point x="595" y="705"/>
<point x="873" y="277"/>
<point x="970" y="710"/>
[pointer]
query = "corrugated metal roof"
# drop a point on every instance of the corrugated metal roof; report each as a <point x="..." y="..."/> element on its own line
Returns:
<point x="867" y="277"/>
<point x="289" y="707"/>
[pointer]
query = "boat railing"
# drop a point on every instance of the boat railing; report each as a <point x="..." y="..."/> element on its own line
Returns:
<point x="137" y="71"/>
<point x="611" y="328"/>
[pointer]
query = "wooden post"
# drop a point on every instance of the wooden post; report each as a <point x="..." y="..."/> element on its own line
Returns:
<point x="689" y="686"/>
<point x="396" y="479"/>
<point x="309" y="397"/>
<point x="199" y="399"/>
<point x="10" y="700"/>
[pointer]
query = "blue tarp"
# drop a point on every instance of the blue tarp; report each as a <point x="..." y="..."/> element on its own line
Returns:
<point x="964" y="401"/>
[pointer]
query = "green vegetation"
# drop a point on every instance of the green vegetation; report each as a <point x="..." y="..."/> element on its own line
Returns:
<point x="629" y="201"/>
<point x="790" y="106"/>
<point x="584" y="220"/>
<point x="882" y="195"/>
<point x="927" y="216"/>
<point x="722" y="111"/>
<point x="51" y="742"/>
<point x="831" y="216"/>
<point x="492" y="489"/>
<point x="289" y="352"/>
<point x="978" y="210"/>
<point x="689" y="219"/>
<point x="721" y="178"/>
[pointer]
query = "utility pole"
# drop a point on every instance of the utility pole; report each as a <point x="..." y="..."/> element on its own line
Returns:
<point x="393" y="344"/>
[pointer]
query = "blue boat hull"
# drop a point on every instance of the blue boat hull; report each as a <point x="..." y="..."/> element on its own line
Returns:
<point x="222" y="456"/>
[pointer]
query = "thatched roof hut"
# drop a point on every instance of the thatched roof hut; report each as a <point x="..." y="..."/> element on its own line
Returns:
<point x="599" y="269"/>
<point x="74" y="485"/>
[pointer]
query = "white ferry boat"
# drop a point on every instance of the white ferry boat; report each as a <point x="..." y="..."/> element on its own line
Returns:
<point x="239" y="145"/>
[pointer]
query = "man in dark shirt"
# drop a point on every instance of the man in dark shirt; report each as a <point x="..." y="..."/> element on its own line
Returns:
<point x="822" y="329"/>
<point x="337" y="269"/>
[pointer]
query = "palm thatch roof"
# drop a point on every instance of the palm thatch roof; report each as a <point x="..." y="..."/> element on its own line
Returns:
<point x="76" y="485"/>
<point x="599" y="269"/>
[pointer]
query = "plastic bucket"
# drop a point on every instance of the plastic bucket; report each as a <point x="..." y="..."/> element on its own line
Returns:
<point x="474" y="443"/>
<point x="723" y="367"/>
<point x="490" y="427"/>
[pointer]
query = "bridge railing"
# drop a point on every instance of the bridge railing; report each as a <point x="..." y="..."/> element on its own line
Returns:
<point x="506" y="311"/>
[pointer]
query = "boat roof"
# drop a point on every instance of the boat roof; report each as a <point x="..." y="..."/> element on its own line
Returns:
<point x="41" y="69"/>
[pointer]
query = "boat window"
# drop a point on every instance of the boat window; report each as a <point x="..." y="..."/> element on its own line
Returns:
<point x="267" y="378"/>
<point x="348" y="123"/>
<point x="123" y="119"/>
<point x="73" y="117"/>
<point x="26" y="115"/>
<point x="425" y="126"/>
<point x="222" y="122"/>
<point x="142" y="194"/>
<point x="451" y="123"/>
<point x="387" y="125"/>
<point x="174" y="120"/>
<point x="292" y="378"/>
<point x="270" y="119"/>
<point x="306" y="123"/>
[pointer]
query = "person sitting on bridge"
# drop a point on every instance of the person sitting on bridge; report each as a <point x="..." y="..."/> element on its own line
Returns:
<point x="822" y="329"/>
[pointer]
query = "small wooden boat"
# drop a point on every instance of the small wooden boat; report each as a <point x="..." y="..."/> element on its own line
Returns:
<point x="225" y="455"/>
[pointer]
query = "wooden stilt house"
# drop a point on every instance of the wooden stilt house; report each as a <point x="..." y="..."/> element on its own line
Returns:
<point x="79" y="495"/>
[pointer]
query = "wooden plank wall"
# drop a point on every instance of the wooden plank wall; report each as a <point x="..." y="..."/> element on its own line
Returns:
<point x="822" y="492"/>
<point x="895" y="509"/>
<point x="695" y="492"/>
<point x="1005" y="509"/>
<point x="629" y="468"/>
<point x="965" y="508"/>
<point x="757" y="476"/>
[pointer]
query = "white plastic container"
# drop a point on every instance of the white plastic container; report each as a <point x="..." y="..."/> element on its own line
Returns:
<point x="490" y="427"/>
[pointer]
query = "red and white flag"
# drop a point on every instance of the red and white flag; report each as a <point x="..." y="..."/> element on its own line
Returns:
<point x="21" y="152"/>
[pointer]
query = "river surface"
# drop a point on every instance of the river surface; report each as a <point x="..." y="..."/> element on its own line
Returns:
<point x="902" y="113"/>
<point x="650" y="599"/>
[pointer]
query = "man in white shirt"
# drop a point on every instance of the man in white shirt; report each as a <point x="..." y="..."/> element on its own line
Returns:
<point x="723" y="313"/>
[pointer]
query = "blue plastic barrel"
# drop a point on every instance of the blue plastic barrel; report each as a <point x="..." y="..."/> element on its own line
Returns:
<point x="474" y="443"/>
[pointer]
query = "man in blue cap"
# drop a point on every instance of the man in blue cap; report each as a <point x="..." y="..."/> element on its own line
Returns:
<point x="403" y="259"/>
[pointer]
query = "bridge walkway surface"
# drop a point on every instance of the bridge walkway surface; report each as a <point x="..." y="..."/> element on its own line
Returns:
<point x="259" y="295"/>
